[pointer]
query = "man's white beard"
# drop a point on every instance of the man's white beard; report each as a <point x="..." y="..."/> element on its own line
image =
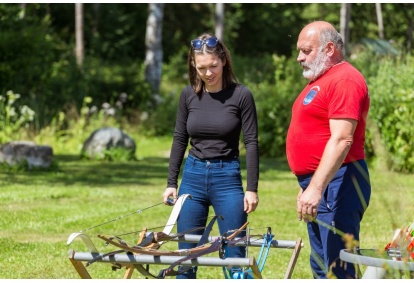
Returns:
<point x="317" y="67"/>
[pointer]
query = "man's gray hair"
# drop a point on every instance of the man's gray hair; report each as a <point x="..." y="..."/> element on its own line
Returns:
<point x="330" y="35"/>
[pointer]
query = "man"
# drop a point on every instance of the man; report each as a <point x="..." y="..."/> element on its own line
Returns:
<point x="325" y="148"/>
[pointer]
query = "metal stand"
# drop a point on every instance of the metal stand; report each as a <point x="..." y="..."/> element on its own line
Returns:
<point x="131" y="261"/>
<point x="135" y="261"/>
<point x="128" y="259"/>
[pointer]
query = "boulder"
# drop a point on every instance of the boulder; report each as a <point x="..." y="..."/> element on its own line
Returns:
<point x="17" y="152"/>
<point x="107" y="138"/>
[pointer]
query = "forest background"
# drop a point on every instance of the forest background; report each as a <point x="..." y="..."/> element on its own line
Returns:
<point x="52" y="95"/>
<point x="40" y="63"/>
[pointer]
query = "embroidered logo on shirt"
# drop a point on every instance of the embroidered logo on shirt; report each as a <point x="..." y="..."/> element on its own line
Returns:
<point x="311" y="95"/>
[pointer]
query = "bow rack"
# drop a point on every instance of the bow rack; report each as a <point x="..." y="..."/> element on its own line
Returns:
<point x="148" y="250"/>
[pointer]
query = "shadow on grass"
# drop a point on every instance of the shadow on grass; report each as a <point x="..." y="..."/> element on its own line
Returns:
<point x="71" y="169"/>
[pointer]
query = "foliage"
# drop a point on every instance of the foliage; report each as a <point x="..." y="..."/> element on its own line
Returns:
<point x="37" y="61"/>
<point x="389" y="131"/>
<point x="176" y="69"/>
<point x="267" y="28"/>
<point x="111" y="30"/>
<point x="69" y="129"/>
<point x="25" y="166"/>
<point x="14" y="118"/>
<point x="40" y="65"/>
<point x="392" y="110"/>
<point x="117" y="154"/>
<point x="28" y="49"/>
<point x="162" y="121"/>
<point x="103" y="81"/>
<point x="274" y="103"/>
<point x="252" y="70"/>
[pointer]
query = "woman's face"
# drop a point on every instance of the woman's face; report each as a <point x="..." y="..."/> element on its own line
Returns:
<point x="210" y="69"/>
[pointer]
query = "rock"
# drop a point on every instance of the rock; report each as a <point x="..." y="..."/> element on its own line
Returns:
<point x="17" y="152"/>
<point x="106" y="138"/>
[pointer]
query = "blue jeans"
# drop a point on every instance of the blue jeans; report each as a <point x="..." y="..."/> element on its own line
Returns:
<point x="217" y="183"/>
<point x="341" y="209"/>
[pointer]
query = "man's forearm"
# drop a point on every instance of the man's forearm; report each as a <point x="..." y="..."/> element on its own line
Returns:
<point x="332" y="159"/>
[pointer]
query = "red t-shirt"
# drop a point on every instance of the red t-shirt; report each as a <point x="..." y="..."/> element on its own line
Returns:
<point x="339" y="93"/>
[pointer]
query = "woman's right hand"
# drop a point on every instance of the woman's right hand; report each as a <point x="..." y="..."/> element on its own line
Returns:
<point x="170" y="191"/>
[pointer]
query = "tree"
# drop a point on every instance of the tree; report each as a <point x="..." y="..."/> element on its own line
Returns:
<point x="219" y="20"/>
<point x="344" y="23"/>
<point x="79" y="33"/>
<point x="379" y="19"/>
<point x="153" y="44"/>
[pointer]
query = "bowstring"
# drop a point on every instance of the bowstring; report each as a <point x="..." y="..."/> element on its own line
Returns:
<point x="120" y="217"/>
<point x="159" y="227"/>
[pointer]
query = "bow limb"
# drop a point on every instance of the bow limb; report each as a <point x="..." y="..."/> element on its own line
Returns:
<point x="238" y="231"/>
<point x="155" y="238"/>
<point x="149" y="251"/>
<point x="203" y="240"/>
<point x="212" y="248"/>
<point x="167" y="230"/>
<point x="170" y="272"/>
<point x="174" y="214"/>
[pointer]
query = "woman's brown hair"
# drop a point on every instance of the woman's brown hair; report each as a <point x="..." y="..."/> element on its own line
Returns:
<point x="229" y="78"/>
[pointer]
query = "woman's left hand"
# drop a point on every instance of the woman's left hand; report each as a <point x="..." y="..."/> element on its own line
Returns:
<point x="251" y="201"/>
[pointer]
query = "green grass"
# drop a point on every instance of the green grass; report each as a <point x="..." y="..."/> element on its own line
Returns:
<point x="40" y="209"/>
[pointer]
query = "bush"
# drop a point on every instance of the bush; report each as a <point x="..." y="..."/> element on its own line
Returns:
<point x="14" y="118"/>
<point x="274" y="103"/>
<point x="102" y="81"/>
<point x="392" y="112"/>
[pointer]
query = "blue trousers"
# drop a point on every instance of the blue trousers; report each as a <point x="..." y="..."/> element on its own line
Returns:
<point x="216" y="183"/>
<point x="340" y="211"/>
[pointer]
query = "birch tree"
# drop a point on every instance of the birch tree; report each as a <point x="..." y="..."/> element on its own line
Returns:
<point x="379" y="19"/>
<point x="345" y="17"/>
<point x="79" y="33"/>
<point x="219" y="20"/>
<point x="153" y="44"/>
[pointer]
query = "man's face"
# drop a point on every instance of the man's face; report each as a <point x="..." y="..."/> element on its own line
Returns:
<point x="311" y="56"/>
<point x="313" y="69"/>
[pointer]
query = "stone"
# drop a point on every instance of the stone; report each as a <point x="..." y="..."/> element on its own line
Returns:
<point x="106" y="138"/>
<point x="17" y="152"/>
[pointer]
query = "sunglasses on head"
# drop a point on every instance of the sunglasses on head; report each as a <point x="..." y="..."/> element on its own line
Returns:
<point x="209" y="42"/>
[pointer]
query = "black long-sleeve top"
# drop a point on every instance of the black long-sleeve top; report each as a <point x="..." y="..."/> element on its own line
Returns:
<point x="213" y="123"/>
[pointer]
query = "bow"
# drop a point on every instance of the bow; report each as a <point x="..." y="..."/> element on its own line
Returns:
<point x="215" y="246"/>
<point x="199" y="250"/>
<point x="152" y="241"/>
<point x="119" y="243"/>
<point x="167" y="229"/>
<point x="148" y="245"/>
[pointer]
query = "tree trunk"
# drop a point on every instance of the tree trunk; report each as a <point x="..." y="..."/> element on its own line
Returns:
<point x="22" y="10"/>
<point x="219" y="20"/>
<point x="79" y="33"/>
<point x="344" y="24"/>
<point x="153" y="43"/>
<point x="379" y="19"/>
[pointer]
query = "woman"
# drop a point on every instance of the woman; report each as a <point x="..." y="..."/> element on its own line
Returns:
<point x="212" y="112"/>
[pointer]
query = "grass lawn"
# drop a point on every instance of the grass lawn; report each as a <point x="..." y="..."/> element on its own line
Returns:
<point x="39" y="210"/>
